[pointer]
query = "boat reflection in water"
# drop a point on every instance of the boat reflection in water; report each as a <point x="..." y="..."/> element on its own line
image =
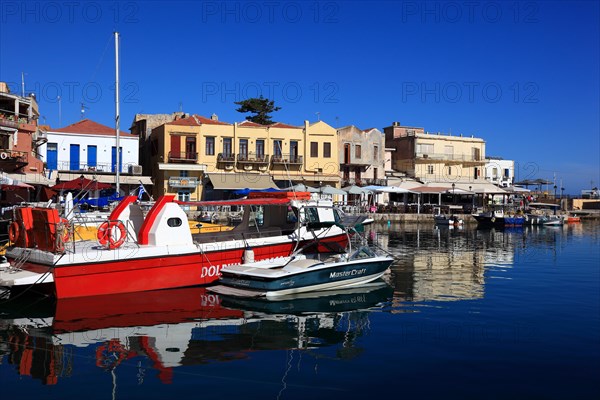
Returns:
<point x="157" y="332"/>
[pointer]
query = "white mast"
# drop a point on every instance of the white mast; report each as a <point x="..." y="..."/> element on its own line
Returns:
<point x="117" y="116"/>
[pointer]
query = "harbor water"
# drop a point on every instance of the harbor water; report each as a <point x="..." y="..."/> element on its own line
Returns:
<point x="464" y="313"/>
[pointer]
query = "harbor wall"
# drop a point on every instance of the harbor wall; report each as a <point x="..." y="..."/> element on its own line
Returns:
<point x="586" y="204"/>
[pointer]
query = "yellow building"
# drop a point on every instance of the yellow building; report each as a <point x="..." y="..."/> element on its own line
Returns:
<point x="199" y="158"/>
<point x="435" y="157"/>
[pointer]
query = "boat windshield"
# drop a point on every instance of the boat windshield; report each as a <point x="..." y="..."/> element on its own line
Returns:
<point x="363" y="252"/>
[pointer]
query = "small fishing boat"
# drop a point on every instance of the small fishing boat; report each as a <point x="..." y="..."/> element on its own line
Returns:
<point x="545" y="214"/>
<point x="304" y="271"/>
<point x="450" y="220"/>
<point x="499" y="219"/>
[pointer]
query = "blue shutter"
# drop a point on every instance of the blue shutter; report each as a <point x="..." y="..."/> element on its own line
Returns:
<point x="74" y="158"/>
<point x="52" y="156"/>
<point x="92" y="156"/>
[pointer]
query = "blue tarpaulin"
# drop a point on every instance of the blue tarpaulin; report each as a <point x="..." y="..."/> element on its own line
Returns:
<point x="244" y="192"/>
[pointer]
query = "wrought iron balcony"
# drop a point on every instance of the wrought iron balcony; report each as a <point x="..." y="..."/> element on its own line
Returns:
<point x="441" y="157"/>
<point x="253" y="158"/>
<point x="287" y="159"/>
<point x="227" y="158"/>
<point x="376" y="182"/>
<point x="183" y="156"/>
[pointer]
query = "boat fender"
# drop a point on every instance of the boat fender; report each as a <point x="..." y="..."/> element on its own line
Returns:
<point x="64" y="228"/>
<point x="4" y="156"/>
<point x="13" y="232"/>
<point x="62" y="235"/>
<point x="106" y="237"/>
<point x="248" y="255"/>
<point x="493" y="219"/>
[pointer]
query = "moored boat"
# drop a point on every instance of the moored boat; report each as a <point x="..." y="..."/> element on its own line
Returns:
<point x="499" y="219"/>
<point x="138" y="251"/>
<point x="301" y="273"/>
<point x="545" y="214"/>
<point x="450" y="220"/>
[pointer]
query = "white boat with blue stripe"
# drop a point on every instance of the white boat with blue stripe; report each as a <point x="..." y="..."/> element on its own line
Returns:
<point x="301" y="273"/>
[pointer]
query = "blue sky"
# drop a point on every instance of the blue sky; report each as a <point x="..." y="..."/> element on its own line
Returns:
<point x="524" y="76"/>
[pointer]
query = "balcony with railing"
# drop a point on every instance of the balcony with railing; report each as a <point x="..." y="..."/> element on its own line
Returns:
<point x="226" y="160"/>
<point x="375" y="182"/>
<point x="21" y="123"/>
<point x="253" y="158"/>
<point x="448" y="158"/>
<point x="287" y="159"/>
<point x="98" y="167"/>
<point x="186" y="157"/>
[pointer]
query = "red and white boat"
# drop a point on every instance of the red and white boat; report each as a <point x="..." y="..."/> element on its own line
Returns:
<point x="139" y="251"/>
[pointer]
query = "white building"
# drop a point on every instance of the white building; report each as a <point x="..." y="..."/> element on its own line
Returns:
<point x="499" y="171"/>
<point x="89" y="148"/>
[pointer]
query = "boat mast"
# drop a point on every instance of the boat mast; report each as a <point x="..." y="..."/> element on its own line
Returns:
<point x="117" y="116"/>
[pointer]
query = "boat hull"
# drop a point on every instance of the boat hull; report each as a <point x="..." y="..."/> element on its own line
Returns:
<point x="145" y="269"/>
<point x="499" y="221"/>
<point x="328" y="277"/>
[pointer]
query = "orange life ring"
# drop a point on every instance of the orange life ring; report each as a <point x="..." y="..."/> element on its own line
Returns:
<point x="13" y="232"/>
<point x="106" y="237"/>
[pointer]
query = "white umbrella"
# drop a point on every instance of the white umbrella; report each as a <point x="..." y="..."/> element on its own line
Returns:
<point x="327" y="189"/>
<point x="300" y="187"/>
<point x="353" y="189"/>
<point x="394" y="189"/>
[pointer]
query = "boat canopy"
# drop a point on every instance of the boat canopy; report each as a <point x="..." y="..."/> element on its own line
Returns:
<point x="544" y="205"/>
<point x="254" y="199"/>
<point x="236" y="202"/>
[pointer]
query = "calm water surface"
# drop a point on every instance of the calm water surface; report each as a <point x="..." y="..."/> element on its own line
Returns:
<point x="463" y="314"/>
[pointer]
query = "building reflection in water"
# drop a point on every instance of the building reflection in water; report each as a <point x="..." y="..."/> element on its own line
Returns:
<point x="441" y="263"/>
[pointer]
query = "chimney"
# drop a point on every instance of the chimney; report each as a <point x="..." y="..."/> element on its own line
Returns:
<point x="214" y="117"/>
<point x="396" y="123"/>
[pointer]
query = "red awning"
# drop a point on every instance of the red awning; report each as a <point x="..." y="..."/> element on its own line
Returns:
<point x="81" y="184"/>
<point x="13" y="186"/>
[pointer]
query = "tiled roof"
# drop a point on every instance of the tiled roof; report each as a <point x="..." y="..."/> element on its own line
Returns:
<point x="282" y="125"/>
<point x="250" y="123"/>
<point x="197" y="120"/>
<point x="90" y="127"/>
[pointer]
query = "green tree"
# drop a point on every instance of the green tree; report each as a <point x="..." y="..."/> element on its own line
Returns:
<point x="260" y="107"/>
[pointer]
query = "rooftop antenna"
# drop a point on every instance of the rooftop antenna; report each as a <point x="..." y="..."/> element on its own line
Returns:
<point x="180" y="106"/>
<point x="318" y="115"/>
<point x="59" y="112"/>
<point x="22" y="84"/>
<point x="83" y="108"/>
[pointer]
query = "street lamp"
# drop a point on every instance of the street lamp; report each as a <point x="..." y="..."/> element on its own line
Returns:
<point x="453" y="194"/>
<point x="555" y="191"/>
<point x="562" y="191"/>
<point x="472" y="198"/>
